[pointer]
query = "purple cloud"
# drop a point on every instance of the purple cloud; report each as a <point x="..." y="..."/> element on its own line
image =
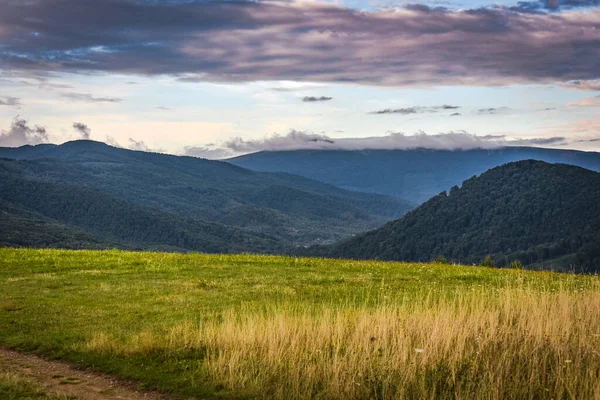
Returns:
<point x="247" y="41"/>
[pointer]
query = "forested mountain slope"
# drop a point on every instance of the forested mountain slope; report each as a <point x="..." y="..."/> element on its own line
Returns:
<point x="87" y="218"/>
<point x="293" y="209"/>
<point x="541" y="214"/>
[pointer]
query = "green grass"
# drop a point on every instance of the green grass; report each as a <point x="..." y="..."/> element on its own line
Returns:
<point x="240" y="326"/>
<point x="14" y="387"/>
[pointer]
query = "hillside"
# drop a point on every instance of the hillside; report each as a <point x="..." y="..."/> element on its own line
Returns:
<point x="22" y="227"/>
<point x="415" y="175"/>
<point x="200" y="326"/>
<point x="539" y="213"/>
<point x="85" y="214"/>
<point x="291" y="209"/>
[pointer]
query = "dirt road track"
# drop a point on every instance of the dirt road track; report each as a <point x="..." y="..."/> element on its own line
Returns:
<point x="62" y="378"/>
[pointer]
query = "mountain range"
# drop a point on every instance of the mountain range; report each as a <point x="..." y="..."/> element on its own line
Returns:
<point x="101" y="195"/>
<point x="544" y="215"/>
<point x="86" y="194"/>
<point x="415" y="175"/>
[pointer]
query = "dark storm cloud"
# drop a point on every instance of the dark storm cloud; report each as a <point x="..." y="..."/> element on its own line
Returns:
<point x="246" y="41"/>
<point x="312" y="99"/>
<point x="83" y="130"/>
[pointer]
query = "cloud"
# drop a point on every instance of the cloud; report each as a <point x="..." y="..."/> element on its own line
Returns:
<point x="587" y="102"/>
<point x="299" y="140"/>
<point x="10" y="102"/>
<point x="293" y="140"/>
<point x="137" y="145"/>
<point x="403" y="111"/>
<point x="493" y="110"/>
<point x="292" y="86"/>
<point x="207" y="152"/>
<point x="584" y="129"/>
<point x="587" y="85"/>
<point x="455" y="114"/>
<point x="112" y="141"/>
<point x="301" y="41"/>
<point x="553" y="5"/>
<point x="140" y="145"/>
<point x="38" y="79"/>
<point x="83" y="130"/>
<point x="163" y="108"/>
<point x="88" y="98"/>
<point x="21" y="133"/>
<point x="545" y="141"/>
<point x="311" y="99"/>
<point x="415" y="110"/>
<point x="594" y="140"/>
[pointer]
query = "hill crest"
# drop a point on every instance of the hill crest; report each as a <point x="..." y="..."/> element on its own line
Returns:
<point x="536" y="212"/>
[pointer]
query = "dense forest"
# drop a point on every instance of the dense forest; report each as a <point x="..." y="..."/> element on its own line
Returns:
<point x="194" y="196"/>
<point x="21" y="227"/>
<point x="415" y="175"/>
<point x="85" y="215"/>
<point x="543" y="215"/>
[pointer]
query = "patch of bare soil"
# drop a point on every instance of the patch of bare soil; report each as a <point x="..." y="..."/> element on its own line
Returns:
<point x="62" y="378"/>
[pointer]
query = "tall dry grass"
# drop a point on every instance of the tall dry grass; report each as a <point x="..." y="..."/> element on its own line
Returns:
<point x="508" y="343"/>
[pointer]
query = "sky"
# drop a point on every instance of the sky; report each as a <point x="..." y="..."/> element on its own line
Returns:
<point x="216" y="79"/>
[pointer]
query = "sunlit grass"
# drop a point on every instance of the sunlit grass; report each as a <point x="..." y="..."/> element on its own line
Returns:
<point x="277" y="327"/>
<point x="15" y="387"/>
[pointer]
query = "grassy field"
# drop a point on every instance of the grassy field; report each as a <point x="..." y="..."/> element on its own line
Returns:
<point x="15" y="387"/>
<point x="276" y="327"/>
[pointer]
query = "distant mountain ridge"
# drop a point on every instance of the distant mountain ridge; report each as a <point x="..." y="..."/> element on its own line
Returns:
<point x="415" y="175"/>
<point x="545" y="215"/>
<point x="213" y="202"/>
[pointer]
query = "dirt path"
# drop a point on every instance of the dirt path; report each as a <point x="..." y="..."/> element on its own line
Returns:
<point x="61" y="378"/>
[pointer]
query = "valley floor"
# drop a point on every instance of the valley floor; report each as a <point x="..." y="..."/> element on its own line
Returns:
<point x="244" y="326"/>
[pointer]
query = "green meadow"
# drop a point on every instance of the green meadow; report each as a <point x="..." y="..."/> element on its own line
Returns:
<point x="15" y="387"/>
<point x="250" y="326"/>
